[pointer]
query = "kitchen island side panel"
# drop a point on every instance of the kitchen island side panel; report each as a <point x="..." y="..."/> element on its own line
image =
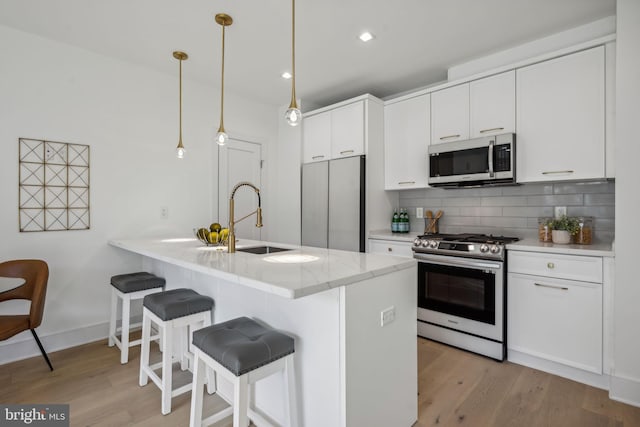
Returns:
<point x="381" y="363"/>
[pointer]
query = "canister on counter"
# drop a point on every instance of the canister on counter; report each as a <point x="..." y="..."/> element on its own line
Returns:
<point x="544" y="229"/>
<point x="584" y="236"/>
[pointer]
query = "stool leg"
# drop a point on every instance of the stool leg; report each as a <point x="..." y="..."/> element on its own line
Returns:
<point x="197" y="391"/>
<point x="167" y="338"/>
<point x="144" y="352"/>
<point x="114" y="314"/>
<point x="124" y="333"/>
<point x="290" y="398"/>
<point x="240" y="401"/>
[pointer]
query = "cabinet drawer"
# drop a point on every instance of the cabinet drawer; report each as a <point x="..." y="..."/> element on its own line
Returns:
<point x="557" y="320"/>
<point x="389" y="247"/>
<point x="571" y="267"/>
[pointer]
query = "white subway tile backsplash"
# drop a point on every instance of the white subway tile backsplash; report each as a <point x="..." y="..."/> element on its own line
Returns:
<point x="513" y="210"/>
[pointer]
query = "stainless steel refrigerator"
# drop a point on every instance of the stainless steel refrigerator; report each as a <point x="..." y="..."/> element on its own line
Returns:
<point x="333" y="204"/>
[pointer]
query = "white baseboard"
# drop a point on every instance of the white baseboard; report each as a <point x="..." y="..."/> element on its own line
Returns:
<point x="625" y="390"/>
<point x="24" y="346"/>
<point x="585" y="377"/>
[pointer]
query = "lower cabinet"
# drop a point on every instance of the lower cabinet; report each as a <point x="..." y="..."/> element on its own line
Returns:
<point x="555" y="312"/>
<point x="555" y="319"/>
<point x="390" y="247"/>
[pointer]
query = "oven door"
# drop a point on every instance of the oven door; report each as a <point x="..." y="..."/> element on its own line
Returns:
<point x="462" y="294"/>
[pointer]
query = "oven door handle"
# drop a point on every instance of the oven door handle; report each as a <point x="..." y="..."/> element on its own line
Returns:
<point x="458" y="262"/>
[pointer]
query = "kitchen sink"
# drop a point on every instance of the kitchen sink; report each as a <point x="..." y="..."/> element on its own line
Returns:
<point x="260" y="250"/>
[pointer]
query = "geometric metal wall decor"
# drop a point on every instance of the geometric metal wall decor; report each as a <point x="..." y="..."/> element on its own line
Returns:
<point x="53" y="185"/>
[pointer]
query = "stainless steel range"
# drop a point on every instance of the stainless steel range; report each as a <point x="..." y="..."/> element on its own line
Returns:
<point x="462" y="292"/>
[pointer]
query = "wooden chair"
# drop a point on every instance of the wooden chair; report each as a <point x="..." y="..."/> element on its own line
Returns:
<point x="35" y="273"/>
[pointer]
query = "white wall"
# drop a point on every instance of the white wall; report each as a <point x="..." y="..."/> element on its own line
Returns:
<point x="625" y="381"/>
<point x="129" y="117"/>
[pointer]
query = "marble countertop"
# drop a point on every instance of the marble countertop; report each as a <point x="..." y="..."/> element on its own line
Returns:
<point x="604" y="249"/>
<point x="388" y="235"/>
<point x="295" y="273"/>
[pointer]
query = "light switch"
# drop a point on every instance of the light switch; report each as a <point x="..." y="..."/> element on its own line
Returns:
<point x="419" y="213"/>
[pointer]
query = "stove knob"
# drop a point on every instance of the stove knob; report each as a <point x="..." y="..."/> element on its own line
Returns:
<point x="433" y="244"/>
<point x="424" y="243"/>
<point x="417" y="241"/>
<point x="495" y="249"/>
<point x="484" y="248"/>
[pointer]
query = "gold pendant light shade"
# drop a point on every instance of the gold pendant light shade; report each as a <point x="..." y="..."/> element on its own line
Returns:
<point x="293" y="114"/>
<point x="180" y="56"/>
<point x="221" y="137"/>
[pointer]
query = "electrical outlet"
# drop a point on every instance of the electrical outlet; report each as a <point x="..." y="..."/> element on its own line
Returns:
<point x="560" y="211"/>
<point x="164" y="212"/>
<point x="387" y="316"/>
<point x="419" y="213"/>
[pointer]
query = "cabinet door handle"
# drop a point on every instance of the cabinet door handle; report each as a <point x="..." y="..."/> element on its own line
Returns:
<point x="452" y="321"/>
<point x="550" y="265"/>
<point x="490" y="130"/>
<point x="346" y="152"/>
<point x="317" y="157"/>
<point x="390" y="249"/>
<point x="562" y="288"/>
<point x="449" y="136"/>
<point x="406" y="182"/>
<point x="552" y="172"/>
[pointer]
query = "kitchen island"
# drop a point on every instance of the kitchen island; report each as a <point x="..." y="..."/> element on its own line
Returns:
<point x="352" y="316"/>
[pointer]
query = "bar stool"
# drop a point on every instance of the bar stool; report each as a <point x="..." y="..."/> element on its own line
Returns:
<point x="129" y="287"/>
<point x="243" y="352"/>
<point x="177" y="308"/>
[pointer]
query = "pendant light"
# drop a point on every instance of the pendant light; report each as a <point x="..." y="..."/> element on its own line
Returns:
<point x="180" y="56"/>
<point x="293" y="114"/>
<point x="221" y="137"/>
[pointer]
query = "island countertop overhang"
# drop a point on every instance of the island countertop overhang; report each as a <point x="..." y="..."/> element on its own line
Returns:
<point x="316" y="269"/>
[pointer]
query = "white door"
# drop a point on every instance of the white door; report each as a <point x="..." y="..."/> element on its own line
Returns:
<point x="239" y="161"/>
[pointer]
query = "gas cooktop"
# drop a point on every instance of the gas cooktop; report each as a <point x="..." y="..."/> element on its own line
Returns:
<point x="469" y="245"/>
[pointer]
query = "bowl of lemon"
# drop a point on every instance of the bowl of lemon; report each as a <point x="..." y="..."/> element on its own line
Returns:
<point x="215" y="235"/>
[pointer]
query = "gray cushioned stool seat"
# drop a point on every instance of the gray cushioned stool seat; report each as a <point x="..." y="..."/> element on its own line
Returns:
<point x="242" y="345"/>
<point x="176" y="303"/>
<point x="134" y="282"/>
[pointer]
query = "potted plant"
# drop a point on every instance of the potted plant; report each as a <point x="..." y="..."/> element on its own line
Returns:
<point x="563" y="228"/>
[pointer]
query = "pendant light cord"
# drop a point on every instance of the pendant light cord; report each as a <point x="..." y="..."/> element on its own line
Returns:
<point x="294" y="103"/>
<point x="180" y="140"/>
<point x="221" y="129"/>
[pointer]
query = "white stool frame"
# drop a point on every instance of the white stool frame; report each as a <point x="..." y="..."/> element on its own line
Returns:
<point x="192" y="322"/>
<point x="242" y="407"/>
<point x="126" y="325"/>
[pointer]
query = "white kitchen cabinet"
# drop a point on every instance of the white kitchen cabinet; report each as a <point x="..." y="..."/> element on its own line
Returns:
<point x="390" y="247"/>
<point x="493" y="105"/>
<point x="334" y="132"/>
<point x="450" y="114"/>
<point x="347" y="130"/>
<point x="551" y="317"/>
<point x="316" y="137"/>
<point x="407" y="134"/>
<point x="561" y="118"/>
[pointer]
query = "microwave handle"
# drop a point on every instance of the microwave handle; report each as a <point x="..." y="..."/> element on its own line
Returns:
<point x="491" y="145"/>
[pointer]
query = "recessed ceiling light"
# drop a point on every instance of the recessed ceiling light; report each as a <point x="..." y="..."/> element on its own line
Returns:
<point x="286" y="75"/>
<point x="366" y="36"/>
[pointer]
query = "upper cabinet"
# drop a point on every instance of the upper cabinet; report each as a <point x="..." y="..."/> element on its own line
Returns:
<point x="450" y="114"/>
<point x="347" y="130"/>
<point x="561" y="118"/>
<point x="316" y="139"/>
<point x="493" y="105"/>
<point x="334" y="133"/>
<point x="407" y="134"/>
<point x="471" y="110"/>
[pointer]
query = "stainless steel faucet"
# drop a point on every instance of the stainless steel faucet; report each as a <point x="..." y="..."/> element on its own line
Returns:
<point x="232" y="221"/>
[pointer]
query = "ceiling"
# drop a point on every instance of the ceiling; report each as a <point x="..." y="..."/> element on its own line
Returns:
<point x="415" y="40"/>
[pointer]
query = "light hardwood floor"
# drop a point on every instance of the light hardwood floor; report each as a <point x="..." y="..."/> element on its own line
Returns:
<point x="456" y="388"/>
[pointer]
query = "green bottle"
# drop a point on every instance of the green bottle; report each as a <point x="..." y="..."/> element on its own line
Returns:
<point x="395" y="221"/>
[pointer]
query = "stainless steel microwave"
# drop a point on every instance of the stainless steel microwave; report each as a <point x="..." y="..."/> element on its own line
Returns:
<point x="489" y="160"/>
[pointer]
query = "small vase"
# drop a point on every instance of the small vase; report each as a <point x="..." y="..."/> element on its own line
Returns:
<point x="560" y="236"/>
